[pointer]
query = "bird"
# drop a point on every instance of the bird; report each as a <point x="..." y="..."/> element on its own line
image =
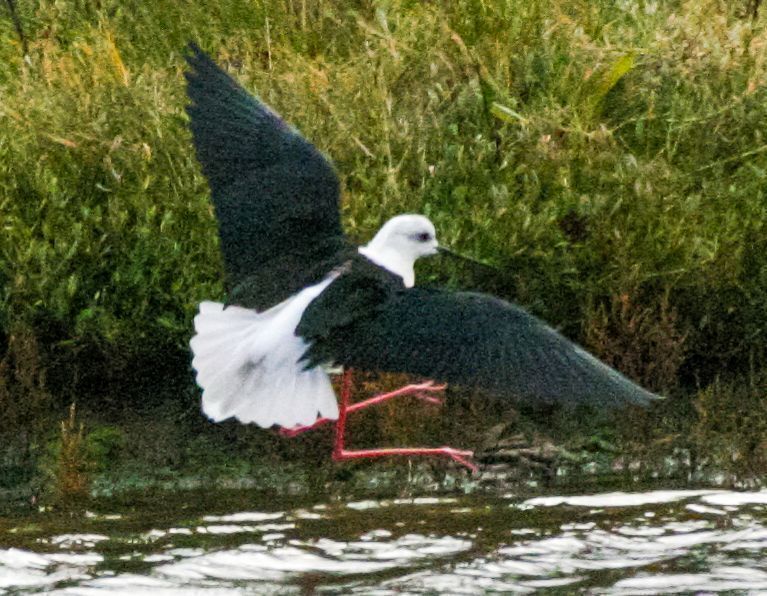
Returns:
<point x="304" y="302"/>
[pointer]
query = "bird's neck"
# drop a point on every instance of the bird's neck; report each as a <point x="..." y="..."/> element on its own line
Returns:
<point x="392" y="260"/>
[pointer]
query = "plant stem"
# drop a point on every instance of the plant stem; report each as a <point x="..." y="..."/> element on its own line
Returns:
<point x="17" y="25"/>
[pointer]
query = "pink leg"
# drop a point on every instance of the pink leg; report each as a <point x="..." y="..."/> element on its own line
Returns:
<point x="342" y="454"/>
<point x="420" y="391"/>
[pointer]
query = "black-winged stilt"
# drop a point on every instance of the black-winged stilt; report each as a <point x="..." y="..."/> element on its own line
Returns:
<point x="302" y="297"/>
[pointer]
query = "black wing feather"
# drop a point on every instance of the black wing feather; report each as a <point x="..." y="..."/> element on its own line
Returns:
<point x="468" y="339"/>
<point x="276" y="197"/>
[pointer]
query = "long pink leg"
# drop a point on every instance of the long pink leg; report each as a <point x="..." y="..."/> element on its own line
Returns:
<point x="341" y="454"/>
<point x="418" y="391"/>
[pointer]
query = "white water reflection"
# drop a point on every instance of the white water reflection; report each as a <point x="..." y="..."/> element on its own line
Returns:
<point x="620" y="499"/>
<point x="736" y="499"/>
<point x="245" y="516"/>
<point x="20" y="569"/>
<point x="614" y="543"/>
<point x="719" y="579"/>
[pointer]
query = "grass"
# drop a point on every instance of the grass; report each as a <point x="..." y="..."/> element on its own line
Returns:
<point x="609" y="158"/>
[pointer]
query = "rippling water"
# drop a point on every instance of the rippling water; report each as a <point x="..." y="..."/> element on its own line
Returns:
<point x="610" y="543"/>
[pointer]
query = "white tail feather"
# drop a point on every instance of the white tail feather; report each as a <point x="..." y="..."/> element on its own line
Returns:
<point x="247" y="364"/>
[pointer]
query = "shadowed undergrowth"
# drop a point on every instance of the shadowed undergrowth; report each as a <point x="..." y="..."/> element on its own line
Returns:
<point x="608" y="158"/>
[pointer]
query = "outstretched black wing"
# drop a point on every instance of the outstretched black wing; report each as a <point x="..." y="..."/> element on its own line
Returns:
<point x="276" y="197"/>
<point x="467" y="339"/>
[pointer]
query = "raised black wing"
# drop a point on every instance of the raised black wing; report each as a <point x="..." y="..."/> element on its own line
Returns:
<point x="468" y="339"/>
<point x="276" y="197"/>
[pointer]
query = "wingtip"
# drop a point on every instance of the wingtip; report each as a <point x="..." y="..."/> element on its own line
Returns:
<point x="199" y="61"/>
<point x="192" y="51"/>
<point x="194" y="57"/>
<point x="648" y="398"/>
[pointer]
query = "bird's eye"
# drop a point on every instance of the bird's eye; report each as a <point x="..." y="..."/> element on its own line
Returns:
<point x="423" y="236"/>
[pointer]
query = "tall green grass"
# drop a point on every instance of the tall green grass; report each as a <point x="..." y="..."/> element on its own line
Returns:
<point x="609" y="157"/>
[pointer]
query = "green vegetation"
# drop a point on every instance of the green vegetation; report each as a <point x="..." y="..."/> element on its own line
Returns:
<point x="609" y="157"/>
<point x="75" y="456"/>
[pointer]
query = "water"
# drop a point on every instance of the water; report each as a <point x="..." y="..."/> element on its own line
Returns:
<point x="612" y="543"/>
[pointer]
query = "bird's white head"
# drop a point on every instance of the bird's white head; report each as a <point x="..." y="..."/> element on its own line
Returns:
<point x="400" y="242"/>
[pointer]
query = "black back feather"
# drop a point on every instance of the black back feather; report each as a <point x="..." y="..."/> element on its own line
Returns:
<point x="276" y="197"/>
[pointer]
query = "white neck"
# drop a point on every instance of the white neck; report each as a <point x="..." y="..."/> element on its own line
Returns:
<point x="391" y="260"/>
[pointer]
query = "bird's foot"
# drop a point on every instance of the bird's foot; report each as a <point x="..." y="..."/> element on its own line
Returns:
<point x="419" y="390"/>
<point x="459" y="456"/>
